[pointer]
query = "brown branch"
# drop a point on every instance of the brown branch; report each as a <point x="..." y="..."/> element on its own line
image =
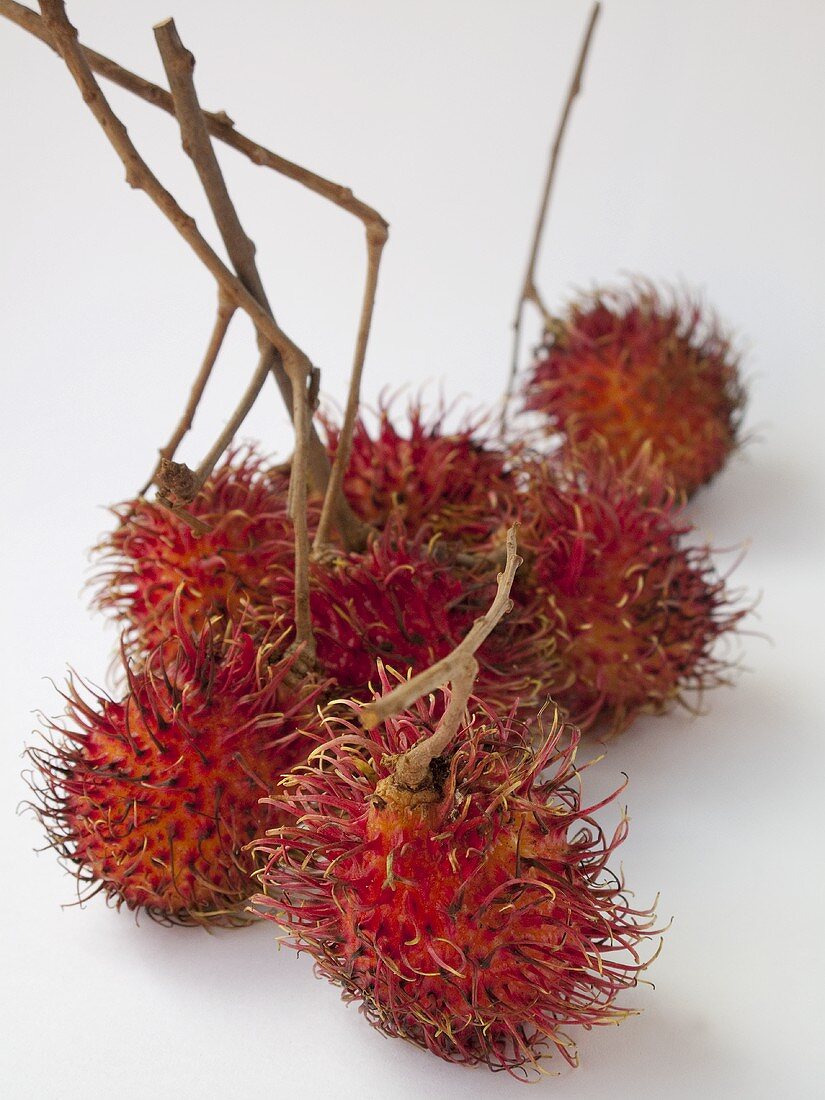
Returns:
<point x="196" y="525"/>
<point x="240" y="414"/>
<point x="221" y="127"/>
<point x="452" y="667"/>
<point x="298" y="514"/>
<point x="529" y="292"/>
<point x="226" y="311"/>
<point x="179" y="65"/>
<point x="219" y="124"/>
<point x="376" y="239"/>
<point x="139" y="175"/>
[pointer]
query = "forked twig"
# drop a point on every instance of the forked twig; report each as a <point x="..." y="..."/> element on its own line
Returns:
<point x="295" y="363"/>
<point x="140" y="176"/>
<point x="459" y="668"/>
<point x="529" y="291"/>
<point x="220" y="126"/>
<point x="219" y="123"/>
<point x="179" y="65"/>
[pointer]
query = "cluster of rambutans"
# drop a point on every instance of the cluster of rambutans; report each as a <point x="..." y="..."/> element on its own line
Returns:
<point x="474" y="914"/>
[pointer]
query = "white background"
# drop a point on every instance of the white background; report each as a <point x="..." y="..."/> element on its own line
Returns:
<point x="696" y="153"/>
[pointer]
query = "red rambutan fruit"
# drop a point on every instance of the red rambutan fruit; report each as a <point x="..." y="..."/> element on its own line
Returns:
<point x="152" y="558"/>
<point x="635" y="610"/>
<point x="475" y="917"/>
<point x="407" y="604"/>
<point x="452" y="483"/>
<point x="152" y="799"/>
<point x="636" y="365"/>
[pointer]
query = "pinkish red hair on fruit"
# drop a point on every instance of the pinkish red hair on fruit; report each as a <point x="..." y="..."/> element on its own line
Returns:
<point x="635" y="366"/>
<point x="152" y="799"/>
<point x="478" y="916"/>
<point x="637" y="612"/>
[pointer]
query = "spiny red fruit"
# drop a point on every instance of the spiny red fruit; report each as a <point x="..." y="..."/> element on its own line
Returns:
<point x="636" y="611"/>
<point x="152" y="557"/>
<point x="448" y="482"/>
<point x="152" y="799"/>
<point x="476" y="917"/>
<point x="409" y="603"/>
<point x="635" y="365"/>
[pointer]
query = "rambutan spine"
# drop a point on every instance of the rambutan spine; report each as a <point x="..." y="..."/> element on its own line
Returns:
<point x="152" y="799"/>
<point x="455" y="483"/>
<point x="437" y="876"/>
<point x="153" y="559"/>
<point x="636" y="365"/>
<point x="636" y="608"/>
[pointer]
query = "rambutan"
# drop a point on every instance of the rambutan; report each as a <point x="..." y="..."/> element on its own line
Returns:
<point x="153" y="558"/>
<point x="636" y="611"/>
<point x="405" y="602"/>
<point x="152" y="799"/>
<point x="634" y="366"/>
<point x="453" y="483"/>
<point x="474" y="916"/>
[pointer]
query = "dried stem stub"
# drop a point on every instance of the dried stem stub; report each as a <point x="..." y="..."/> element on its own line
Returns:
<point x="529" y="292"/>
<point x="459" y="669"/>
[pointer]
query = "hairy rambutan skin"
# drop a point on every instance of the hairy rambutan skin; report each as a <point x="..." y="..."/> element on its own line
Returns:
<point x="636" y="611"/>
<point x="152" y="799"/>
<point x="636" y="365"/>
<point x="453" y="483"/>
<point x="405" y="602"/>
<point x="153" y="558"/>
<point x="477" y="919"/>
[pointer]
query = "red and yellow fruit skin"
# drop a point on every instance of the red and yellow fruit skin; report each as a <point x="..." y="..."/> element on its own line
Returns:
<point x="635" y="610"/>
<point x="478" y="925"/>
<point x="153" y="558"/>
<point x="449" y="483"/>
<point x="408" y="603"/>
<point x="637" y="366"/>
<point x="153" y="798"/>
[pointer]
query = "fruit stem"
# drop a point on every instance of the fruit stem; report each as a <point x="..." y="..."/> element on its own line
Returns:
<point x="459" y="668"/>
<point x="412" y="769"/>
<point x="529" y="292"/>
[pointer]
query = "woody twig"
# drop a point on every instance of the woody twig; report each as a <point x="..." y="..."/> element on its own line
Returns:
<point x="529" y="292"/>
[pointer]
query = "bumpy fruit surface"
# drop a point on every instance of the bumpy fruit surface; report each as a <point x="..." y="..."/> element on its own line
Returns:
<point x="636" y="610"/>
<point x="475" y="917"/>
<point x="636" y="366"/>
<point x="152" y="799"/>
<point x="152" y="558"/>
<point x="408" y="603"/>
<point x="451" y="483"/>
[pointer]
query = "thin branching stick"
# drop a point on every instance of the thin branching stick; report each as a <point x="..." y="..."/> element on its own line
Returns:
<point x="221" y="126"/>
<point x="298" y="513"/>
<point x="458" y="668"/>
<point x="179" y="65"/>
<point x="376" y="239"/>
<point x="529" y="291"/>
<point x="225" y="313"/>
<point x="140" y="176"/>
